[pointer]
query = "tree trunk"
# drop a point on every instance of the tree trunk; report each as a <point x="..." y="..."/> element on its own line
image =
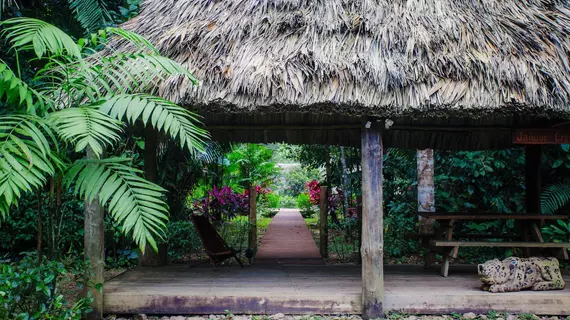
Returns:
<point x="344" y="181"/>
<point x="39" y="240"/>
<point x="94" y="242"/>
<point x="328" y="179"/>
<point x="151" y="257"/>
<point x="372" y="223"/>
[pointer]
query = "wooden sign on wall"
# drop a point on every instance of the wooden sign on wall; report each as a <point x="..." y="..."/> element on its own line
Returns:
<point x="541" y="136"/>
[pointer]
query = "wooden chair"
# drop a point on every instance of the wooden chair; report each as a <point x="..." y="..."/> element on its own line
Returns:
<point x="213" y="243"/>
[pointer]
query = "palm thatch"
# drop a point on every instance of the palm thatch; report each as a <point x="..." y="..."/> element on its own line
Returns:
<point x="401" y="59"/>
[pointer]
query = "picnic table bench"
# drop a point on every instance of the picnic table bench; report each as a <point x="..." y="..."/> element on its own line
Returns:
<point x="442" y="240"/>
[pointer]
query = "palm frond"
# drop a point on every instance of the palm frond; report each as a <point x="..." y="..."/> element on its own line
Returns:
<point x="213" y="150"/>
<point x="26" y="157"/>
<point x="100" y="76"/>
<point x="39" y="36"/>
<point x="140" y="42"/>
<point x="86" y="127"/>
<point x="133" y="201"/>
<point x="91" y="14"/>
<point x="17" y="92"/>
<point x="554" y="197"/>
<point x="142" y="70"/>
<point x="164" y="115"/>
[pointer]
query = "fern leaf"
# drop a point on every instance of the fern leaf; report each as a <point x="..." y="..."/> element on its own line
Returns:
<point x="554" y="197"/>
<point x="163" y="115"/>
<point x="40" y="36"/>
<point x="133" y="201"/>
<point x="91" y="14"/>
<point x="86" y="127"/>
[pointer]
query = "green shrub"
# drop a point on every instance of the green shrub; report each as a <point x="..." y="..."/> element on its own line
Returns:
<point x="305" y="206"/>
<point x="288" y="202"/>
<point x="344" y="239"/>
<point x="235" y="232"/>
<point x="123" y="258"/>
<point x="273" y="200"/>
<point x="183" y="241"/>
<point x="29" y="291"/>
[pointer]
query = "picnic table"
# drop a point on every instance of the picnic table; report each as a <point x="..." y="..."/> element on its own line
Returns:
<point x="444" y="241"/>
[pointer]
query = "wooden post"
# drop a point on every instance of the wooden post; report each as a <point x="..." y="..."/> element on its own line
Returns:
<point x="253" y="218"/>
<point x="426" y="200"/>
<point x="151" y="257"/>
<point x="532" y="178"/>
<point x="426" y="188"/>
<point x="372" y="222"/>
<point x="94" y="244"/>
<point x="323" y="231"/>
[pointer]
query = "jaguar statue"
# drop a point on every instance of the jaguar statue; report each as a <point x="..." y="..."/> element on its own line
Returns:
<point x="515" y="274"/>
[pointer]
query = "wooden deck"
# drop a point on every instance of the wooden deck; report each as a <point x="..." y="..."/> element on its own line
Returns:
<point x="313" y="289"/>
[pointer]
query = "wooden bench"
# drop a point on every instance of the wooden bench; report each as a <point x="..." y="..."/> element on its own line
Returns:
<point x="455" y="243"/>
<point x="442" y="239"/>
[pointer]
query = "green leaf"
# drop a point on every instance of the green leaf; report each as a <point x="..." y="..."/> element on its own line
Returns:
<point x="132" y="201"/>
<point x="165" y="116"/>
<point x="39" y="36"/>
<point x="15" y="90"/>
<point x="554" y="197"/>
<point x="557" y="163"/>
<point x="26" y="157"/>
<point x="91" y="14"/>
<point x="86" y="127"/>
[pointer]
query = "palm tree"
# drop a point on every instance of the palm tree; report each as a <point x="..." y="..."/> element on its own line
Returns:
<point x="83" y="99"/>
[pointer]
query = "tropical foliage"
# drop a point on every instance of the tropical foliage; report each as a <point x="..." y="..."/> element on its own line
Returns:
<point x="84" y="100"/>
<point x="29" y="291"/>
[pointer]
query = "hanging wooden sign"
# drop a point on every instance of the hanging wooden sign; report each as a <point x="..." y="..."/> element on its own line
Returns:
<point x="541" y="136"/>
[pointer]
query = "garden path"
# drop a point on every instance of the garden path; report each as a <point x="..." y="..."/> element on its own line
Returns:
<point x="288" y="241"/>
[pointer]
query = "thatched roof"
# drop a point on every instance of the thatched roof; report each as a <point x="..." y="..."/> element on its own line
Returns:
<point x="479" y="62"/>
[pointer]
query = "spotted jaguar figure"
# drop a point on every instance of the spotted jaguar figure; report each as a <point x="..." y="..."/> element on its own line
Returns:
<point x="515" y="274"/>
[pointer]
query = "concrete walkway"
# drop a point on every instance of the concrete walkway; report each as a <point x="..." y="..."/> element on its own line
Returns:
<point x="288" y="241"/>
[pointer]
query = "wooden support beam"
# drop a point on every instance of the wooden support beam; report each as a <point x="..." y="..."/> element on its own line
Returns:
<point x="372" y="246"/>
<point x="532" y="178"/>
<point x="94" y="244"/>
<point x="348" y="126"/>
<point x="323" y="231"/>
<point x="426" y="197"/>
<point x="150" y="257"/>
<point x="253" y="218"/>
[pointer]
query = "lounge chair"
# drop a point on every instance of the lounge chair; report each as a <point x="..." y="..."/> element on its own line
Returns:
<point x="213" y="243"/>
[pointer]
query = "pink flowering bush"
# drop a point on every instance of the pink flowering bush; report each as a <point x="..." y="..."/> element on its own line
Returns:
<point x="226" y="203"/>
<point x="314" y="191"/>
<point x="220" y="203"/>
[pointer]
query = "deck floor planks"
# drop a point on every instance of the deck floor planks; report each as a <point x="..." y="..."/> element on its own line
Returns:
<point x="313" y="289"/>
